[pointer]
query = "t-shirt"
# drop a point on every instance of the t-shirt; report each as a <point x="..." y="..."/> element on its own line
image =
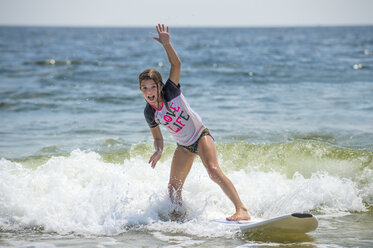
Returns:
<point x="183" y="123"/>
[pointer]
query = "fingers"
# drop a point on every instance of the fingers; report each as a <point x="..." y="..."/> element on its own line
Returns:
<point x="157" y="39"/>
<point x="163" y="34"/>
<point x="158" y="28"/>
<point x="154" y="162"/>
<point x="161" y="28"/>
<point x="154" y="159"/>
<point x="151" y="161"/>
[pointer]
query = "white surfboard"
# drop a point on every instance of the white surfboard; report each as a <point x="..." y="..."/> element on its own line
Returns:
<point x="292" y="223"/>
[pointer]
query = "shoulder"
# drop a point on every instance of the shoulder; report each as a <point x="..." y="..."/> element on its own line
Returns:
<point x="171" y="83"/>
<point x="171" y="90"/>
<point x="148" y="109"/>
<point x="149" y="116"/>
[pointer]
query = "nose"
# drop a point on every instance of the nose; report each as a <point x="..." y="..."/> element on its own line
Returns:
<point x="148" y="91"/>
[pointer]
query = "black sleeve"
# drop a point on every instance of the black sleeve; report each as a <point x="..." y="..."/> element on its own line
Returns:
<point x="149" y="116"/>
<point x="171" y="90"/>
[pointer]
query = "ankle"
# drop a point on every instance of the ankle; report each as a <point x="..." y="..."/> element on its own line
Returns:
<point x="241" y="209"/>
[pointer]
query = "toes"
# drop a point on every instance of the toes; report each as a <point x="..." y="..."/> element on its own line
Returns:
<point x="232" y="218"/>
<point x="236" y="217"/>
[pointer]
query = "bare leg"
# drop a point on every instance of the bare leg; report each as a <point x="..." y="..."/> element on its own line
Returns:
<point x="207" y="152"/>
<point x="180" y="167"/>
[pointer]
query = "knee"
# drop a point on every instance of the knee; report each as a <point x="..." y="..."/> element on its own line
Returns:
<point x="215" y="173"/>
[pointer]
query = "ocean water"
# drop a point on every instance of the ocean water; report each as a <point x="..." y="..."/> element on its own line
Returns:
<point x="291" y="111"/>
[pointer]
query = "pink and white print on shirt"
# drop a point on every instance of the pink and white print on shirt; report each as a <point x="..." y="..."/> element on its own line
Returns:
<point x="181" y="121"/>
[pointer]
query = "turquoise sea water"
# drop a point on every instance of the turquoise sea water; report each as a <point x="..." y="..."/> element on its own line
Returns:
<point x="291" y="111"/>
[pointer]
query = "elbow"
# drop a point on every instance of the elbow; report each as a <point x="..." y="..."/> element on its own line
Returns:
<point x="176" y="63"/>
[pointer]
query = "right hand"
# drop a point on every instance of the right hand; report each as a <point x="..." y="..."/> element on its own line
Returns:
<point x="154" y="158"/>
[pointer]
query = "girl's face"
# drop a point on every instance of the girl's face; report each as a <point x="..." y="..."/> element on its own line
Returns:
<point x="149" y="90"/>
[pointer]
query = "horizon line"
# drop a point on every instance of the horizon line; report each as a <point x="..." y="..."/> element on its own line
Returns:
<point x="185" y="26"/>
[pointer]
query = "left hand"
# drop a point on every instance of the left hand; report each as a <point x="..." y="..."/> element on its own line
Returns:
<point x="163" y="33"/>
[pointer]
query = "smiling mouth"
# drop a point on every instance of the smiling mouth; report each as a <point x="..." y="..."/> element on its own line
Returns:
<point x="151" y="98"/>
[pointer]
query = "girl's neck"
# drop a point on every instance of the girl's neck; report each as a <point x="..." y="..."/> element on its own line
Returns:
<point x="158" y="105"/>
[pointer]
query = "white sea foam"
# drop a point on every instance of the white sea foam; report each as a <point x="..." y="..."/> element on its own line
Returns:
<point x="81" y="193"/>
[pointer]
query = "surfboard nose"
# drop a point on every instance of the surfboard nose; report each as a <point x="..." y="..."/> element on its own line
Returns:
<point x="302" y="215"/>
<point x="309" y="222"/>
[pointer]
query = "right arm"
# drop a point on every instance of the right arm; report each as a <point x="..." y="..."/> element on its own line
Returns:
<point x="158" y="145"/>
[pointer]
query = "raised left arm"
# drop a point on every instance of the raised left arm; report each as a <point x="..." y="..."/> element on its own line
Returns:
<point x="173" y="58"/>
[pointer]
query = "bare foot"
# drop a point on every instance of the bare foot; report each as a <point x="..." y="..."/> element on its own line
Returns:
<point x="177" y="215"/>
<point x="241" y="214"/>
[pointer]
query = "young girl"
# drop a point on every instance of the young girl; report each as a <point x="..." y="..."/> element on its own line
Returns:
<point x="166" y="105"/>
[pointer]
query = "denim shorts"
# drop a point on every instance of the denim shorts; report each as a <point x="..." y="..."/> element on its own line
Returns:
<point x="194" y="147"/>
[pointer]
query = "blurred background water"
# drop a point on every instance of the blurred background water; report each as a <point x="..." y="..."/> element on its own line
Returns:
<point x="291" y="107"/>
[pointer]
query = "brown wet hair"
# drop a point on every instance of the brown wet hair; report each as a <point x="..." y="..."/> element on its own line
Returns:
<point x="154" y="75"/>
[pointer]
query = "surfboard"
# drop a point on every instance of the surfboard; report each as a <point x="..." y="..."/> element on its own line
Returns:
<point x="291" y="223"/>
